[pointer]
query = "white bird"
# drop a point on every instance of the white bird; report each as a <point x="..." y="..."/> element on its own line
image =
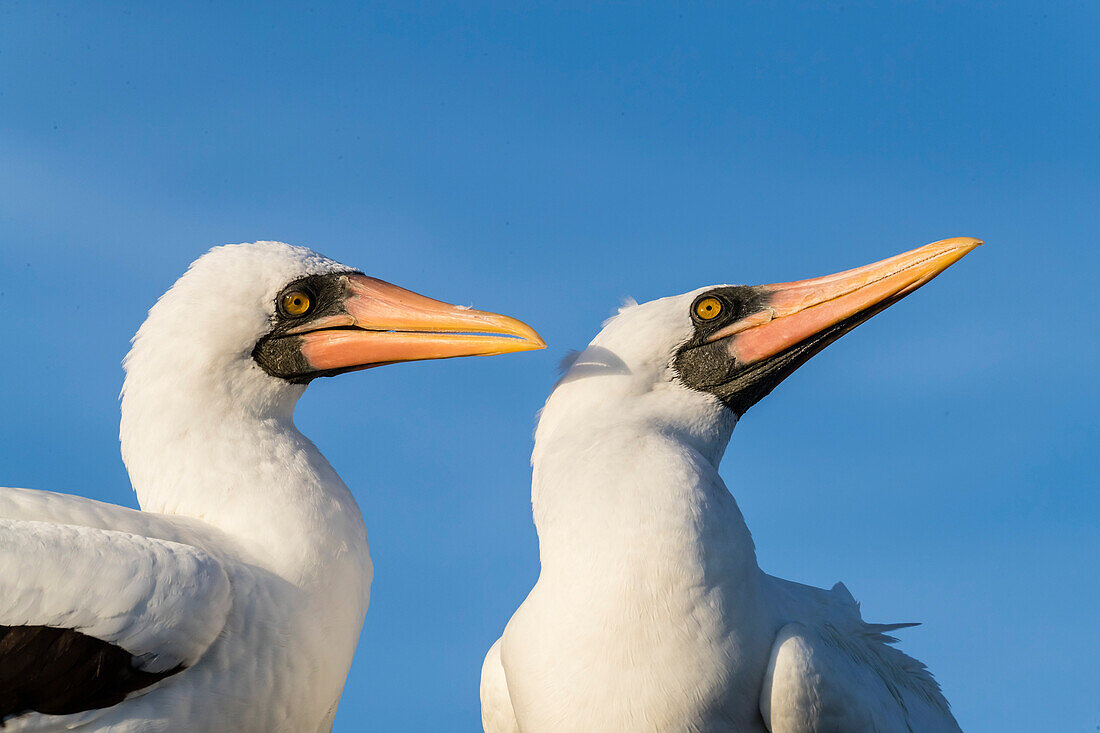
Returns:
<point x="650" y="612"/>
<point x="233" y="601"/>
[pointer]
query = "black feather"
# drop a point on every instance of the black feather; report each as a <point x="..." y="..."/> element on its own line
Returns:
<point x="61" y="671"/>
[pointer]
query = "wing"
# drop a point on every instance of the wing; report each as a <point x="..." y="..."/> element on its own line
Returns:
<point x="497" y="715"/>
<point x="55" y="508"/>
<point x="89" y="615"/>
<point x="823" y="679"/>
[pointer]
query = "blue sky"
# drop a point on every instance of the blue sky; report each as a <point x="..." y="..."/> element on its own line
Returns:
<point x="546" y="162"/>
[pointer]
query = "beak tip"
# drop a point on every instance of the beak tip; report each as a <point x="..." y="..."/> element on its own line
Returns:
<point x="963" y="243"/>
<point x="528" y="336"/>
<point x="949" y="251"/>
<point x="534" y="342"/>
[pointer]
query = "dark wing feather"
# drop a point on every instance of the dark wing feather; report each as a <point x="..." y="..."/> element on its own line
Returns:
<point x="62" y="671"/>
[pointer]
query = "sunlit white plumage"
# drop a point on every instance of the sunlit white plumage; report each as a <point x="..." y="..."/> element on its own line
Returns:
<point x="249" y="564"/>
<point x="650" y="612"/>
<point x="246" y="577"/>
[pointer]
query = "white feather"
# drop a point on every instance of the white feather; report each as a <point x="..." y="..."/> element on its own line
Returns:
<point x="650" y="612"/>
<point x="249" y="564"/>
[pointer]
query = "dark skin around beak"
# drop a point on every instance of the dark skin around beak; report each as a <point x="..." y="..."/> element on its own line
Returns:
<point x="349" y="321"/>
<point x="766" y="332"/>
<point x="383" y="324"/>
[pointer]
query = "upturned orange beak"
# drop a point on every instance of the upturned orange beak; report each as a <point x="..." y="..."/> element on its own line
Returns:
<point x="382" y="323"/>
<point x="774" y="329"/>
<point x="796" y="311"/>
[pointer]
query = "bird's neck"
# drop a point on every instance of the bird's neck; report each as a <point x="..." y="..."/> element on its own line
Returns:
<point x="249" y="473"/>
<point x="637" y="500"/>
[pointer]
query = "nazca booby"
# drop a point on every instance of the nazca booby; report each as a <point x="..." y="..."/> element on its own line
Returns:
<point x="234" y="599"/>
<point x="650" y="612"/>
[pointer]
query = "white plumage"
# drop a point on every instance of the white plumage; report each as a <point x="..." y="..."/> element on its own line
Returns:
<point x="650" y="612"/>
<point x="117" y="586"/>
<point x="246" y="577"/>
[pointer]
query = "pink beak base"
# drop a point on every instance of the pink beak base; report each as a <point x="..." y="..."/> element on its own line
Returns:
<point x="798" y="310"/>
<point x="385" y="323"/>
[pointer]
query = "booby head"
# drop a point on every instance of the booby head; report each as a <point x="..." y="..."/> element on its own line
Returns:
<point x="266" y="317"/>
<point x="698" y="361"/>
<point x="241" y="334"/>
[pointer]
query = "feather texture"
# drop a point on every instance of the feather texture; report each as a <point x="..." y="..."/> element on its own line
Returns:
<point x="234" y="599"/>
<point x="651" y="613"/>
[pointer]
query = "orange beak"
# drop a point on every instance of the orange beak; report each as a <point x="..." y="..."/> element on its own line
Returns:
<point x="383" y="324"/>
<point x="777" y="328"/>
<point x="798" y="311"/>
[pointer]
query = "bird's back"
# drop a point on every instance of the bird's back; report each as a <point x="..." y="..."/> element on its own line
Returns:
<point x="831" y="670"/>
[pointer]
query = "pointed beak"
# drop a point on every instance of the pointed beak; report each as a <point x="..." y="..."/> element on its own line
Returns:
<point x="795" y="312"/>
<point x="382" y="323"/>
<point x="778" y="328"/>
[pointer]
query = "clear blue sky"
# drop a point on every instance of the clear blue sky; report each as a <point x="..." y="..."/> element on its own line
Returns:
<point x="941" y="460"/>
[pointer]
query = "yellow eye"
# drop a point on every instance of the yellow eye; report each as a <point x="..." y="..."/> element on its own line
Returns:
<point x="296" y="303"/>
<point x="708" y="308"/>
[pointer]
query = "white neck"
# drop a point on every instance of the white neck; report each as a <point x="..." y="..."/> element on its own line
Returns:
<point x="632" y="484"/>
<point x="242" y="466"/>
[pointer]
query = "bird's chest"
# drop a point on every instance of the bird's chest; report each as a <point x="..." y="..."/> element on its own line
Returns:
<point x="647" y="615"/>
<point x="285" y="654"/>
<point x="675" y="656"/>
<point x="273" y="661"/>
